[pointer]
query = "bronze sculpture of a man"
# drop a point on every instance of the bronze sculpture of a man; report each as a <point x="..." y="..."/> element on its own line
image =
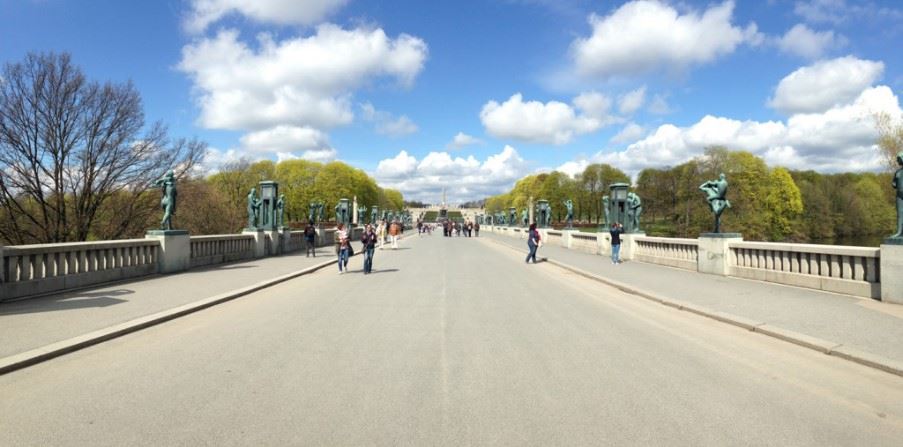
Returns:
<point x="253" y="209"/>
<point x="715" y="191"/>
<point x="168" y="201"/>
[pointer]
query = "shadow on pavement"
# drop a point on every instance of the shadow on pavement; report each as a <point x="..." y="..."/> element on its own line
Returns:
<point x="66" y="302"/>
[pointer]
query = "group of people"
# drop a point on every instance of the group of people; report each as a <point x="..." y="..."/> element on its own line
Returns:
<point x="468" y="228"/>
<point x="534" y="241"/>
<point x="371" y="239"/>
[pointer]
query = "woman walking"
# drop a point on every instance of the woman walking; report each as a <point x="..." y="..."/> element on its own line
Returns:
<point x="342" y="247"/>
<point x="533" y="241"/>
<point x="369" y="241"/>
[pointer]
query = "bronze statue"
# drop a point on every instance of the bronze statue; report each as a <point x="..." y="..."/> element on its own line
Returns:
<point x="606" y="204"/>
<point x="312" y="214"/>
<point x="525" y="217"/>
<point x="168" y="201"/>
<point x="635" y="208"/>
<point x="280" y="211"/>
<point x="253" y="209"/>
<point x="897" y="183"/>
<point x="569" y="217"/>
<point x="715" y="191"/>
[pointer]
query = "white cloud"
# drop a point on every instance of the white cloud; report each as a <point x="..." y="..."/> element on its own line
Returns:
<point x="631" y="101"/>
<point x="647" y="35"/>
<point x="818" y="87"/>
<point x="464" y="178"/>
<point x="322" y="155"/>
<point x="839" y="139"/>
<point x="630" y="132"/>
<point x="284" y="12"/>
<point x="553" y="122"/>
<point x="285" y="139"/>
<point x="593" y="104"/>
<point x="461" y="140"/>
<point x="572" y="168"/>
<point x="807" y="43"/>
<point x="303" y="81"/>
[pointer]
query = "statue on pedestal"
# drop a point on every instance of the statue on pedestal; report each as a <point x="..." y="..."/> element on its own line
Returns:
<point x="312" y="214"/>
<point x="715" y="191"/>
<point x="280" y="211"/>
<point x="634" y="209"/>
<point x="168" y="202"/>
<point x="253" y="209"/>
<point x="569" y="204"/>
<point x="525" y="217"/>
<point x="897" y="183"/>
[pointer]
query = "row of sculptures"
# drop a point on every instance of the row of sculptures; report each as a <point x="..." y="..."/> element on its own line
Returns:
<point x="626" y="207"/>
<point x="343" y="214"/>
<point x="264" y="211"/>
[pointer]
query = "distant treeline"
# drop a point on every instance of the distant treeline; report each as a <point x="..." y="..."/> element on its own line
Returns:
<point x="767" y="203"/>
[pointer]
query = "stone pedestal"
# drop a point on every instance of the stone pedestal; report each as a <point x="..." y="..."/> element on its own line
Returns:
<point x="260" y="241"/>
<point x="892" y="270"/>
<point x="175" y="250"/>
<point x="628" y="245"/>
<point x="278" y="241"/>
<point x="713" y="252"/>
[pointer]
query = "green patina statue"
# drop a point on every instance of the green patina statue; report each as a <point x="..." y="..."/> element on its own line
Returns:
<point x="168" y="202"/>
<point x="525" y="217"/>
<point x="312" y="212"/>
<point x="715" y="191"/>
<point x="253" y="209"/>
<point x="569" y="217"/>
<point x="280" y="211"/>
<point x="634" y="209"/>
<point x="897" y="183"/>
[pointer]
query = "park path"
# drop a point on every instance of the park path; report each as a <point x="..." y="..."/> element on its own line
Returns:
<point x="452" y="341"/>
<point x="869" y="327"/>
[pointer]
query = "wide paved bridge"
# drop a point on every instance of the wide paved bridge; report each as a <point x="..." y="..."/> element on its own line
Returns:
<point x="452" y="341"/>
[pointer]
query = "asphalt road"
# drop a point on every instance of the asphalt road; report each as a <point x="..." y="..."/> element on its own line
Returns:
<point x="450" y="342"/>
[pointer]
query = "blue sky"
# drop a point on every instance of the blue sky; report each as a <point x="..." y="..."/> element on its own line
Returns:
<point x="525" y="85"/>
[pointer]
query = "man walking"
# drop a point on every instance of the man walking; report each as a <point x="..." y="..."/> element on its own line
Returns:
<point x="369" y="241"/>
<point x="310" y="236"/>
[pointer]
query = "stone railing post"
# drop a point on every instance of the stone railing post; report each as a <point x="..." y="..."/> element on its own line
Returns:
<point x="714" y="252"/>
<point x="175" y="250"/>
<point x="628" y="245"/>
<point x="892" y="270"/>
<point x="260" y="241"/>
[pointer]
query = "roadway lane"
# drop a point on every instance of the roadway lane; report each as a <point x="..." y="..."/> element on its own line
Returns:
<point x="451" y="342"/>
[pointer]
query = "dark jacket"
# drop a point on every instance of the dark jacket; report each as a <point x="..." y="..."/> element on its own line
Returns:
<point x="533" y="238"/>
<point x="369" y="239"/>
<point x="616" y="236"/>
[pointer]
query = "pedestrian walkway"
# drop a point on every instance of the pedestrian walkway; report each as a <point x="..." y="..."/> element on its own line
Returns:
<point x="859" y="325"/>
<point x="36" y="322"/>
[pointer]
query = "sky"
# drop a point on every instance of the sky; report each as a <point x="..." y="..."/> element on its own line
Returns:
<point x="471" y="95"/>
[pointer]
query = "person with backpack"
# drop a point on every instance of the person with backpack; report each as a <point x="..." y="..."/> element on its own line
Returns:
<point x="533" y="241"/>
<point x="368" y="239"/>
<point x="310" y="238"/>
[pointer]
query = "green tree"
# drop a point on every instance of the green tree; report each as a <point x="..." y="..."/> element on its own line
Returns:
<point x="783" y="206"/>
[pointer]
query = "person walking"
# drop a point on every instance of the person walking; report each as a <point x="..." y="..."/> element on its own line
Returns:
<point x="394" y="230"/>
<point x="368" y="239"/>
<point x="476" y="229"/>
<point x="381" y="235"/>
<point x="342" y="247"/>
<point x="310" y="238"/>
<point x="616" y="230"/>
<point x="533" y="241"/>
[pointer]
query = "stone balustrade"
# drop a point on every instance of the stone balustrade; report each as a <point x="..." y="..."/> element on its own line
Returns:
<point x="218" y="249"/>
<point x="849" y="270"/>
<point x="44" y="268"/>
<point x="859" y="271"/>
<point x="673" y="252"/>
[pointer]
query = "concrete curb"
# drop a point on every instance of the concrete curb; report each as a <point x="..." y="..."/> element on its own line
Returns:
<point x="806" y="341"/>
<point x="38" y="355"/>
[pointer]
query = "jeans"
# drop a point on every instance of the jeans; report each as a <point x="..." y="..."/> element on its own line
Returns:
<point x="343" y="258"/>
<point x="532" y="253"/>
<point x="368" y="259"/>
<point x="616" y="253"/>
<point x="311" y="248"/>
